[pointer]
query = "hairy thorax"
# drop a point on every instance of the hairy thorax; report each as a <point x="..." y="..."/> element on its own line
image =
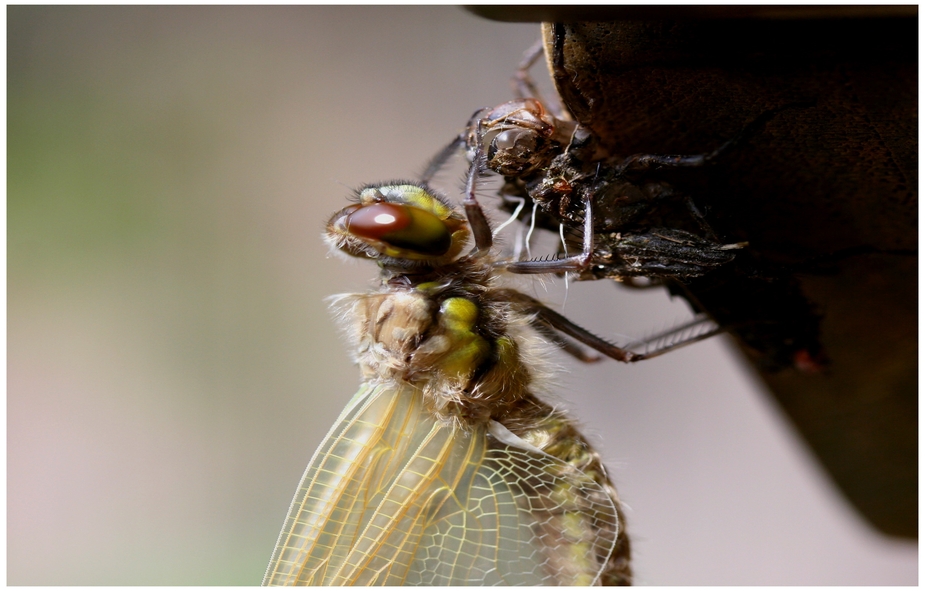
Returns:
<point x="444" y="342"/>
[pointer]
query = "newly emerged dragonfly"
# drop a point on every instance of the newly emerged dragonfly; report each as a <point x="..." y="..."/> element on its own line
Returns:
<point x="446" y="468"/>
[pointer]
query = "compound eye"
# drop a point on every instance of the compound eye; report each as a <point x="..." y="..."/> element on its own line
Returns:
<point x="514" y="152"/>
<point x="519" y="139"/>
<point x="400" y="226"/>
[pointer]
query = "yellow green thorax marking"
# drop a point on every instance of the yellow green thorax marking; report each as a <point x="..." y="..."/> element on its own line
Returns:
<point x="467" y="349"/>
<point x="429" y="286"/>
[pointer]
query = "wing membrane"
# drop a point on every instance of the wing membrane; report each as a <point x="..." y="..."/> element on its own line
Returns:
<point x="395" y="497"/>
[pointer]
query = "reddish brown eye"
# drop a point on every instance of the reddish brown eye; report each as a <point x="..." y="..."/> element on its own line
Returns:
<point x="401" y="226"/>
<point x="378" y="220"/>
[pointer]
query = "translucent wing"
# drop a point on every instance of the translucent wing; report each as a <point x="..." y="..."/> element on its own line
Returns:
<point x="395" y="497"/>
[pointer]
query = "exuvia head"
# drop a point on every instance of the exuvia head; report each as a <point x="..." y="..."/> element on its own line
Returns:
<point x="519" y="137"/>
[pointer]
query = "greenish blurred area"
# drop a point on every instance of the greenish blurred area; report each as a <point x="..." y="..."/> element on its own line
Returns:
<point x="169" y="173"/>
<point x="136" y="296"/>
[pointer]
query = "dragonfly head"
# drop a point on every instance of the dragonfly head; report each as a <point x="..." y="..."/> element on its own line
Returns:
<point x="401" y="225"/>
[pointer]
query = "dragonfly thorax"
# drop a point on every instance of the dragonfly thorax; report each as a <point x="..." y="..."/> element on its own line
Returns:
<point x="454" y="345"/>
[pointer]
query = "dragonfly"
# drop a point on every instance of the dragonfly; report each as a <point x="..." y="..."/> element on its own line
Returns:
<point x="447" y="467"/>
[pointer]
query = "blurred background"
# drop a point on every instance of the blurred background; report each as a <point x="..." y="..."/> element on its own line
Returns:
<point x="172" y="364"/>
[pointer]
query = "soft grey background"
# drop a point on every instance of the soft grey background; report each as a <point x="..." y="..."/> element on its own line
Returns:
<point x="172" y="365"/>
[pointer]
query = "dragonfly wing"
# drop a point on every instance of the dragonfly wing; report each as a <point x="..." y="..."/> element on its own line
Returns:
<point x="395" y="497"/>
<point x="523" y="517"/>
<point x="339" y="488"/>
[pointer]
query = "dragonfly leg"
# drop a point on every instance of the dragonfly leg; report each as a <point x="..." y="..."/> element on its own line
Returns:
<point x="547" y="321"/>
<point x="478" y="221"/>
<point x="697" y="329"/>
<point x="577" y="263"/>
<point x="573" y="349"/>
<point x="522" y="82"/>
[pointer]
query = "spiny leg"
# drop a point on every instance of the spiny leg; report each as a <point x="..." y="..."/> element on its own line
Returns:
<point x="697" y="329"/>
<point x="548" y="322"/>
<point x="575" y="263"/>
<point x="522" y="82"/>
